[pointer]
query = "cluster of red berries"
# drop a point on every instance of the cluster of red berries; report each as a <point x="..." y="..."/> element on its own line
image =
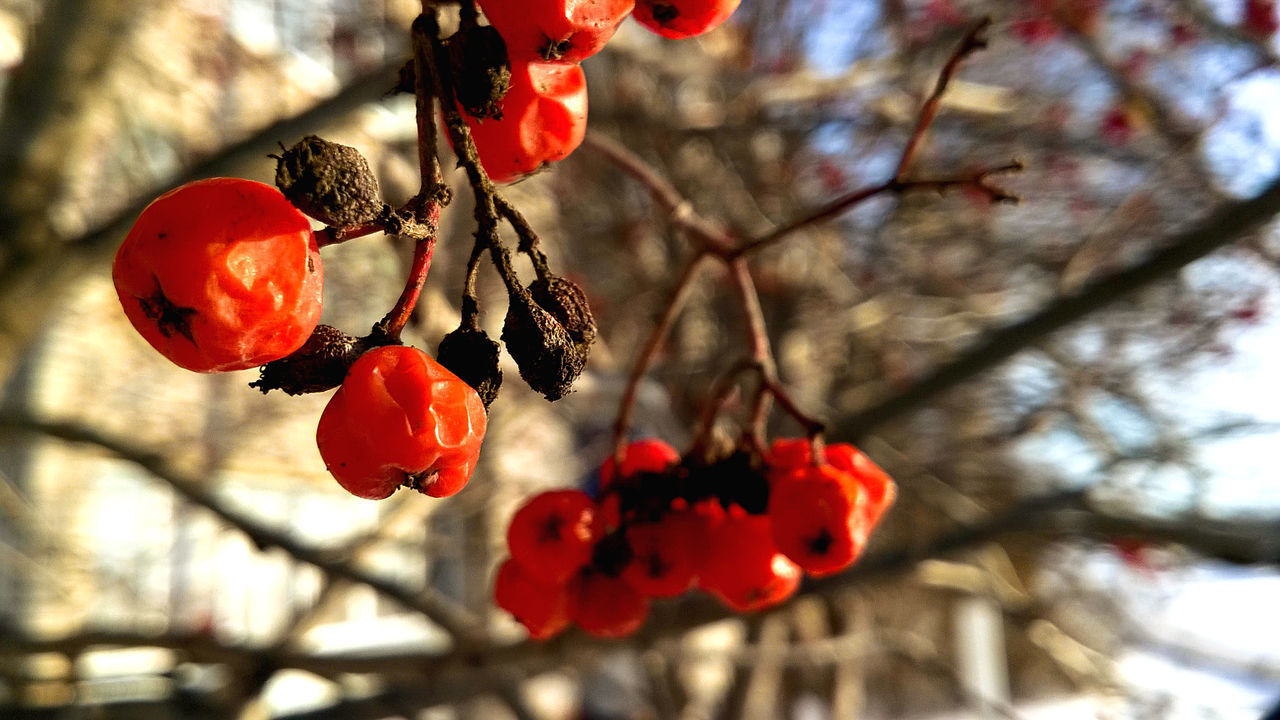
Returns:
<point x="743" y="528"/>
<point x="225" y="274"/>
<point x="543" y="116"/>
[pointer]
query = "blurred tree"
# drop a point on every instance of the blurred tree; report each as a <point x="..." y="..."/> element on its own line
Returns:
<point x="1073" y="392"/>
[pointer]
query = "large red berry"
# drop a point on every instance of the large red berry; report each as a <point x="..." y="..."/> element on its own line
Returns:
<point x="555" y="30"/>
<point x="401" y="418"/>
<point x="544" y="118"/>
<point x="818" y="519"/>
<point x="221" y="274"/>
<point x="543" y="608"/>
<point x="649" y="455"/>
<point x="744" y="568"/>
<point x="683" y="18"/>
<point x="553" y="535"/>
<point x="607" y="606"/>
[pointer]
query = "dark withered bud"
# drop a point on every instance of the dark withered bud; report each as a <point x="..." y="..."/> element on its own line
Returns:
<point x="330" y="182"/>
<point x="482" y="74"/>
<point x="568" y="303"/>
<point x="549" y="360"/>
<point x="320" y="364"/>
<point x="736" y="479"/>
<point x="472" y="356"/>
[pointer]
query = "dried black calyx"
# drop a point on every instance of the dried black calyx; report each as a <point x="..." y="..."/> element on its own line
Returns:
<point x="738" y="479"/>
<point x="168" y="316"/>
<point x="473" y="357"/>
<point x="481" y="71"/>
<point x="611" y="555"/>
<point x="665" y="13"/>
<point x="330" y="182"/>
<point x="548" y="358"/>
<point x="568" y="303"/>
<point x="320" y="364"/>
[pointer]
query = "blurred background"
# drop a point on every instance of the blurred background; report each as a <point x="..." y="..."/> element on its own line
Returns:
<point x="1089" y="513"/>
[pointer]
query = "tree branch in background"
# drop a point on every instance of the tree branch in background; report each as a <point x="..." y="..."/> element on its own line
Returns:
<point x="1227" y="224"/>
<point x="458" y="621"/>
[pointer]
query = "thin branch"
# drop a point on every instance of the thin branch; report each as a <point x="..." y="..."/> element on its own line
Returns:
<point x="653" y="345"/>
<point x="1224" y="226"/>
<point x="457" y="620"/>
<point x="969" y="44"/>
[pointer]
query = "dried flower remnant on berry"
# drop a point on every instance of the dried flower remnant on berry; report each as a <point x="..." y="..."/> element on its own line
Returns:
<point x="482" y="73"/>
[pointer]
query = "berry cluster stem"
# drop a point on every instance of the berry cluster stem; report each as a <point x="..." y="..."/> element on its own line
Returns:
<point x="710" y="240"/>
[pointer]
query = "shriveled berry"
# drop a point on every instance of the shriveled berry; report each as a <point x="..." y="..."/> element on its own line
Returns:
<point x="330" y="182"/>
<point x="566" y="31"/>
<point x="221" y="274"/>
<point x="544" y="118"/>
<point x="543" y="608"/>
<point x="744" y="569"/>
<point x="818" y="519"/>
<point x="649" y="455"/>
<point x="683" y="18"/>
<point x="554" y="534"/>
<point x="607" y="606"/>
<point x="401" y="418"/>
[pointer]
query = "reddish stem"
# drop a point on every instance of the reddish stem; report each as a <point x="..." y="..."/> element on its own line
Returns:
<point x="394" y="323"/>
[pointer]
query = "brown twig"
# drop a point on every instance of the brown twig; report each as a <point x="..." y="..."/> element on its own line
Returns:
<point x="970" y="43"/>
<point x="653" y="345"/>
<point x="457" y="620"/>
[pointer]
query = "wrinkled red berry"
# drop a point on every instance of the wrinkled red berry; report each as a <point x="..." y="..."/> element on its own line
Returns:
<point x="221" y="274"/>
<point x="744" y="568"/>
<point x="683" y="18"/>
<point x="566" y="31"/>
<point x="553" y="535"/>
<point x="607" y="606"/>
<point x="650" y="455"/>
<point x="543" y="608"/>
<point x="401" y="418"/>
<point x="544" y="118"/>
<point x="818" y="518"/>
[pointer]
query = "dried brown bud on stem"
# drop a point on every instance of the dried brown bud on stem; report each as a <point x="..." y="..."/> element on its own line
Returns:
<point x="568" y="304"/>
<point x="320" y="364"/>
<point x="330" y="182"/>
<point x="472" y="356"/>
<point x="548" y="358"/>
<point x="478" y="58"/>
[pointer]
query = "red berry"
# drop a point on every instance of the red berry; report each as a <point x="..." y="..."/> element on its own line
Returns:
<point x="221" y="274"/>
<point x="553" y="535"/>
<point x="1261" y="18"/>
<point x="788" y="454"/>
<point x="544" y="118"/>
<point x="650" y="455"/>
<point x="401" y="418"/>
<point x="818" y="518"/>
<point x="608" y="606"/>
<point x="665" y="554"/>
<point x="567" y="31"/>
<point x="744" y="568"/>
<point x="683" y="18"/>
<point x="543" y="608"/>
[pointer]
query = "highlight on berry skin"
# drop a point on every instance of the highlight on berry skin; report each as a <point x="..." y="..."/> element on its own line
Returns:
<point x="221" y="274"/>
